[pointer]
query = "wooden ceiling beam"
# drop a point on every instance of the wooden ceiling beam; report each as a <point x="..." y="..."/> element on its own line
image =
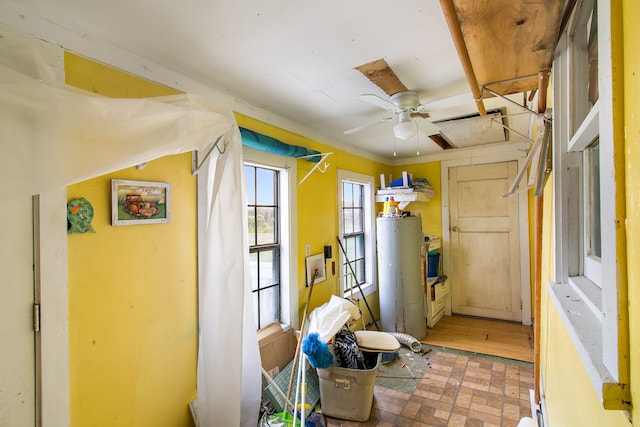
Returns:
<point x="441" y="141"/>
<point x="543" y="84"/>
<point x="451" y="16"/>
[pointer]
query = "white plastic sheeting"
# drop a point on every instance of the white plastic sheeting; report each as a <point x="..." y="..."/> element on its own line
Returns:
<point x="229" y="368"/>
<point x="52" y="136"/>
<point x="331" y="316"/>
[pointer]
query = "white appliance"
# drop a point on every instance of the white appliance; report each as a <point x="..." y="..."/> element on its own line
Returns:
<point x="400" y="268"/>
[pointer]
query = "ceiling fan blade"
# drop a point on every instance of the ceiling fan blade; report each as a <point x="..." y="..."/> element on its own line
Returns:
<point x="428" y="128"/>
<point x="382" y="75"/>
<point x="366" y="125"/>
<point x="378" y="102"/>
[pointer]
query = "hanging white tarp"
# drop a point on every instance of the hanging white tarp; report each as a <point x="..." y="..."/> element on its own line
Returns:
<point x="52" y="136"/>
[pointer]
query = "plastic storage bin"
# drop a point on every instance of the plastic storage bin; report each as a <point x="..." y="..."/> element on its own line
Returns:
<point x="347" y="393"/>
<point x="433" y="265"/>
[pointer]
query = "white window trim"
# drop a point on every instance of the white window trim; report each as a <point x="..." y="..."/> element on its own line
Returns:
<point x="288" y="235"/>
<point x="370" y="284"/>
<point x="589" y="310"/>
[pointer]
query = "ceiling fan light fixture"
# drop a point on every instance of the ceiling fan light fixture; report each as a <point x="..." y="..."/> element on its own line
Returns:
<point x="405" y="128"/>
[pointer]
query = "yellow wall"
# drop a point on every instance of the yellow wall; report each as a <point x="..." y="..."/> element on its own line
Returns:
<point x="132" y="291"/>
<point x="571" y="399"/>
<point x="317" y="208"/>
<point x="570" y="396"/>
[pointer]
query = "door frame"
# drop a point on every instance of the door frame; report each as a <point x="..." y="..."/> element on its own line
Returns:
<point x="483" y="157"/>
<point x="54" y="333"/>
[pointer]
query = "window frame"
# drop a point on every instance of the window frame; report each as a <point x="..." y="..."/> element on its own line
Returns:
<point x="370" y="284"/>
<point x="287" y="168"/>
<point x="588" y="305"/>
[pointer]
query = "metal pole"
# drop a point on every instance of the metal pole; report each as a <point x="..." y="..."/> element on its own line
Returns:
<point x="357" y="282"/>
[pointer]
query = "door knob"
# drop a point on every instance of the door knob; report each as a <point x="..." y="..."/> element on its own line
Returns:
<point x="455" y="228"/>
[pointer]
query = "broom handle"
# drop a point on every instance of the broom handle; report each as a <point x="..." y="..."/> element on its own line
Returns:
<point x="276" y="388"/>
<point x="304" y="319"/>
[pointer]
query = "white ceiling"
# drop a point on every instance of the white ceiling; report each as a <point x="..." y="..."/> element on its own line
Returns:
<point x="294" y="59"/>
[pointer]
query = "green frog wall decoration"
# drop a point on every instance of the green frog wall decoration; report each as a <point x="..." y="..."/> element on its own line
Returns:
<point x="79" y="216"/>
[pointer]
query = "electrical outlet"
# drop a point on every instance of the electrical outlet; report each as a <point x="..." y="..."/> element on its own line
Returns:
<point x="307" y="250"/>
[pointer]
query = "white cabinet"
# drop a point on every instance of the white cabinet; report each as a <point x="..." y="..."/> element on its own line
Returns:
<point x="438" y="299"/>
<point x="438" y="291"/>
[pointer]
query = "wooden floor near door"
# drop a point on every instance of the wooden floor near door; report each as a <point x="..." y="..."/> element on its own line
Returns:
<point x="493" y="337"/>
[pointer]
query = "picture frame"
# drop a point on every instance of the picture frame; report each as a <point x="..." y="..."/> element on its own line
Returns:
<point x="314" y="262"/>
<point x="140" y="202"/>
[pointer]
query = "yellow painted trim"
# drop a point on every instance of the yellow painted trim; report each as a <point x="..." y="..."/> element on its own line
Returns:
<point x="617" y="73"/>
<point x="616" y="396"/>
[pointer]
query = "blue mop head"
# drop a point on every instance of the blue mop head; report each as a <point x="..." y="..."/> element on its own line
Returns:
<point x="317" y="351"/>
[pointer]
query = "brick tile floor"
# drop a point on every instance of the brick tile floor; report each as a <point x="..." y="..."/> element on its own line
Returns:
<point x="459" y="390"/>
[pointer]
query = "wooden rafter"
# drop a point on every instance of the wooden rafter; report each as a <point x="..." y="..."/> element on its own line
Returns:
<point x="382" y="75"/>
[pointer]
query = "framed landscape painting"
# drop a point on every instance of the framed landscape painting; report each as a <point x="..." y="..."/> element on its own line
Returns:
<point x="140" y="202"/>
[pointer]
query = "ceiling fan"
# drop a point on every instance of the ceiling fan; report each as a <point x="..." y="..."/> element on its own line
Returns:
<point x="402" y="102"/>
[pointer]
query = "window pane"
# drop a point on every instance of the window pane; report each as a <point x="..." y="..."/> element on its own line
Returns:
<point x="347" y="194"/>
<point x="358" y="220"/>
<point x="266" y="186"/>
<point x="593" y="202"/>
<point x="250" y="177"/>
<point x="359" y="269"/>
<point x="347" y="220"/>
<point x="251" y="225"/>
<point x="269" y="305"/>
<point x="253" y="266"/>
<point x="584" y="62"/>
<point x="349" y="279"/>
<point x="268" y="262"/>
<point x="359" y="241"/>
<point x="350" y="248"/>
<point x="357" y="195"/>
<point x="266" y="225"/>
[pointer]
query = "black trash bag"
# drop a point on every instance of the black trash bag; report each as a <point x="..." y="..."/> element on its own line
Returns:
<point x="346" y="351"/>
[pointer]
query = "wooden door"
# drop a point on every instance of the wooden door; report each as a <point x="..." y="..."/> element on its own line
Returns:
<point x="485" y="246"/>
<point x="17" y="362"/>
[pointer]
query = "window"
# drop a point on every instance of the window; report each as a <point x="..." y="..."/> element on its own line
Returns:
<point x="357" y="233"/>
<point x="353" y="237"/>
<point x="585" y="287"/>
<point x="266" y="166"/>
<point x="264" y="243"/>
